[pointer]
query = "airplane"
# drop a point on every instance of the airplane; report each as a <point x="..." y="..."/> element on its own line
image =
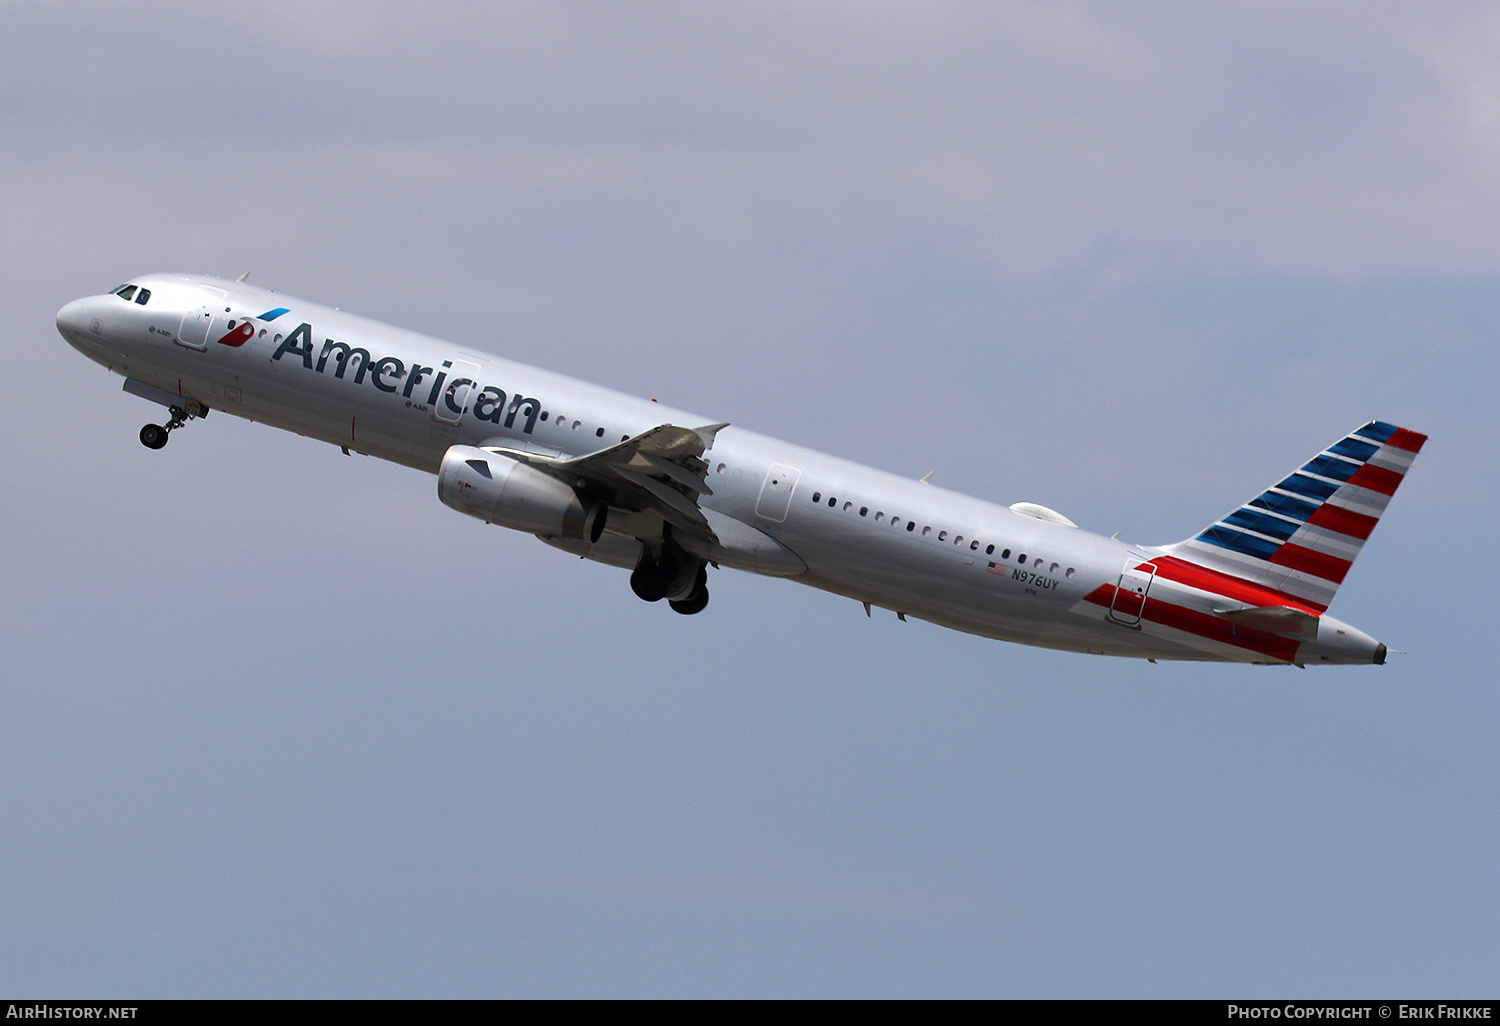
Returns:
<point x="667" y="494"/>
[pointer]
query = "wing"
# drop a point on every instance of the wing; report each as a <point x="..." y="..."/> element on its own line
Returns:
<point x="660" y="471"/>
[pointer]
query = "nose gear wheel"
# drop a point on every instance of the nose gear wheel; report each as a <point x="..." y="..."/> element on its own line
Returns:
<point x="154" y="436"/>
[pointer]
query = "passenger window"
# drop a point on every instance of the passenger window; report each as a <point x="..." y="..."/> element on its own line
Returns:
<point x="1069" y="573"/>
<point x="1039" y="561"/>
<point x="958" y="539"/>
<point x="989" y="550"/>
<point x="848" y="506"/>
<point x="599" y="433"/>
<point x="1052" y="568"/>
<point x="127" y="293"/>
<point x="142" y="296"/>
<point x="974" y="545"/>
<point x="832" y="502"/>
<point x="942" y="536"/>
<point x="863" y="510"/>
<point x="926" y="532"/>
<point x="544" y="412"/>
<point x="911" y="524"/>
<point x="879" y="516"/>
<point x="817" y="496"/>
<point x="1022" y="558"/>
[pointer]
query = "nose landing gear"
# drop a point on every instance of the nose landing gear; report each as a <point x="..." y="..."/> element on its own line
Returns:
<point x="154" y="436"/>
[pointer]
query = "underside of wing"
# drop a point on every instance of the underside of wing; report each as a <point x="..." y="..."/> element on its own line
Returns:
<point x="660" y="471"/>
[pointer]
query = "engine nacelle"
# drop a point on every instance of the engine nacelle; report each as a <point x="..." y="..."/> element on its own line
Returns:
<point x="507" y="492"/>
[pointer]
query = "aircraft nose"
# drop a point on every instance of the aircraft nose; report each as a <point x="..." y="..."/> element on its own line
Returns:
<point x="70" y="319"/>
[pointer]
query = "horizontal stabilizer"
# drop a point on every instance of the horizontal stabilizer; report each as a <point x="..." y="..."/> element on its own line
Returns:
<point x="1294" y="623"/>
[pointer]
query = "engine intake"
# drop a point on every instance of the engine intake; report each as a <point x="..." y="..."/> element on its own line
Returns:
<point x="500" y="490"/>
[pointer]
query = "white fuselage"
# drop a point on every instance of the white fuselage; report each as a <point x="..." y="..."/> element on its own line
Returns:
<point x="895" y="543"/>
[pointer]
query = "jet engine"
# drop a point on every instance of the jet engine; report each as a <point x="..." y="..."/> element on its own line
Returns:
<point x="503" y="491"/>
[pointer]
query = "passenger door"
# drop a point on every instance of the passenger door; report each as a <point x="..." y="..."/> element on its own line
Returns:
<point x="199" y="317"/>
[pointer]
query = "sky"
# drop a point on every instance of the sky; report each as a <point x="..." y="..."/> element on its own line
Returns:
<point x="277" y="723"/>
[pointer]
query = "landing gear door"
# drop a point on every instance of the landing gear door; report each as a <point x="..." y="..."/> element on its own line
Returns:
<point x="198" y="317"/>
<point x="776" y="494"/>
<point x="1130" y="596"/>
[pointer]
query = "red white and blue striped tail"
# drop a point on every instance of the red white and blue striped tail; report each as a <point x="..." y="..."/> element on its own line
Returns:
<point x="1300" y="536"/>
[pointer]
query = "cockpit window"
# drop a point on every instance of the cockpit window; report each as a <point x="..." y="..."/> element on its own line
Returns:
<point x="126" y="292"/>
<point x="142" y="296"/>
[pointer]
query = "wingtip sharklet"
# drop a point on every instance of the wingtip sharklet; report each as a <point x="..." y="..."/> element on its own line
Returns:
<point x="709" y="432"/>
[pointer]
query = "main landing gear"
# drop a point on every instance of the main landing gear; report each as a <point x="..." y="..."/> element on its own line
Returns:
<point x="674" y="576"/>
<point x="154" y="436"/>
<point x="697" y="599"/>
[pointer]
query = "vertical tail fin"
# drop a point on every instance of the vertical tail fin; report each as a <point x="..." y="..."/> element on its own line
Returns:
<point x="1300" y="536"/>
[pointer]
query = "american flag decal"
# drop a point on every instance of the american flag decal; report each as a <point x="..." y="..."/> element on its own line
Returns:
<point x="998" y="568"/>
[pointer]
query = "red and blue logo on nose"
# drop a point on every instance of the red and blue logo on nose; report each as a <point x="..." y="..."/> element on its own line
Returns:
<point x="245" y="331"/>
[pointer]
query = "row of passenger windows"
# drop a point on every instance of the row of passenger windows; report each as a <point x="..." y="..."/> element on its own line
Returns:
<point x="141" y="296"/>
<point x="958" y="539"/>
<point x="562" y="421"/>
<point x="557" y="419"/>
<point x="129" y="292"/>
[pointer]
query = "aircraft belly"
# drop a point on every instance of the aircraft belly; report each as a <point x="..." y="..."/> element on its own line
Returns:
<point x="931" y="583"/>
<point x="315" y="407"/>
<point x="945" y="587"/>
